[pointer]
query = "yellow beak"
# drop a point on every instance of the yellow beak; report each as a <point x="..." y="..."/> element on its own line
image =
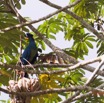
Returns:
<point x="26" y="38"/>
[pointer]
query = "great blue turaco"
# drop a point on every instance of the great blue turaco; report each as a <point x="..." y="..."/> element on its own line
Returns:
<point x="30" y="53"/>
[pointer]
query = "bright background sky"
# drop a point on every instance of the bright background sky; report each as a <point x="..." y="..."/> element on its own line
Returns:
<point x="35" y="10"/>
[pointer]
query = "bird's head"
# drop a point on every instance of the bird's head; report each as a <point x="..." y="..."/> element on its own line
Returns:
<point x="28" y="35"/>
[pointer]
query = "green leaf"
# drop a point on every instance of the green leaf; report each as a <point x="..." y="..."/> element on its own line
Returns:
<point x="68" y="35"/>
<point x="18" y="5"/>
<point x="23" y="1"/>
<point x="59" y="28"/>
<point x="3" y="101"/>
<point x="76" y="77"/>
<point x="4" y="79"/>
<point x="91" y="38"/>
<point x="52" y="37"/>
<point x="43" y="45"/>
<point x="85" y="48"/>
<point x="89" y="44"/>
<point x="52" y="29"/>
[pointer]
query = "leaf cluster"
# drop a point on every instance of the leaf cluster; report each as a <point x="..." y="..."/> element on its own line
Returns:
<point x="86" y="8"/>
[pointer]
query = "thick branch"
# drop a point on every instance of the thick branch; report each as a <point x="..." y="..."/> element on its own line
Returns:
<point x="57" y="90"/>
<point x="68" y="66"/>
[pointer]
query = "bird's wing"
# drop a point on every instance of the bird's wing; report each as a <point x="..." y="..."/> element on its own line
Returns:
<point x="26" y="56"/>
<point x="33" y="53"/>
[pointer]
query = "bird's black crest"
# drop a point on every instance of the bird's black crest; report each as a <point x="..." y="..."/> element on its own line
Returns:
<point x="28" y="35"/>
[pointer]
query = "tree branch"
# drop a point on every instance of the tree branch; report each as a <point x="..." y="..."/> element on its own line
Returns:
<point x="41" y="19"/>
<point x="55" y="90"/>
<point x="95" y="72"/>
<point x="87" y="94"/>
<point x="69" y="67"/>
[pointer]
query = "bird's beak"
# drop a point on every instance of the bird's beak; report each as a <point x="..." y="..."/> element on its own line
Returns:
<point x="26" y="38"/>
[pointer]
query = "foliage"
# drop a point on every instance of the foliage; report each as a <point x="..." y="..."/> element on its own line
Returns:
<point x="58" y="81"/>
<point x="86" y="8"/>
<point x="94" y="97"/>
<point x="82" y="42"/>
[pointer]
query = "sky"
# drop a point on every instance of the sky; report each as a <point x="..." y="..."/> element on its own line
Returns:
<point x="35" y="9"/>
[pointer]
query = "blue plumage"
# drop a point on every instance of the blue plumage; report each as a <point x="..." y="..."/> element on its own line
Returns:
<point x="30" y="53"/>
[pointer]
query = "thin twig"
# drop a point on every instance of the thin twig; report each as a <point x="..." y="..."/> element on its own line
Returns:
<point x="95" y="72"/>
<point x="30" y="65"/>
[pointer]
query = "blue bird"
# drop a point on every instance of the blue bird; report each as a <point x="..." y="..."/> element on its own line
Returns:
<point x="30" y="53"/>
